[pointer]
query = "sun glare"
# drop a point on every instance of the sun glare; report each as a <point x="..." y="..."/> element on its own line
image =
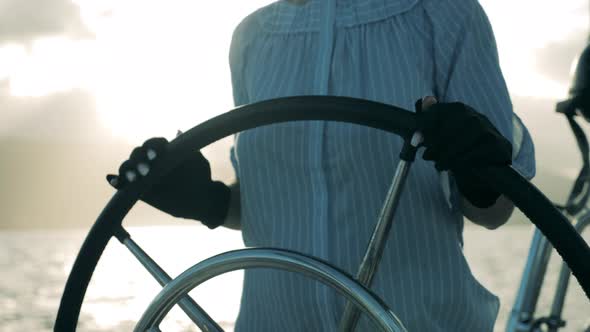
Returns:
<point x="11" y="56"/>
<point x="162" y="68"/>
<point x="50" y="65"/>
<point x="156" y="67"/>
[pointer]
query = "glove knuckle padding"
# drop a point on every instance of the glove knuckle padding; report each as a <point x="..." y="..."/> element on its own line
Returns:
<point x="127" y="165"/>
<point x="122" y="177"/>
<point x="138" y="155"/>
<point x="158" y="144"/>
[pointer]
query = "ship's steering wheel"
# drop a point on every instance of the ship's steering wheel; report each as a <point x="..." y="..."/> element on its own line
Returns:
<point x="564" y="238"/>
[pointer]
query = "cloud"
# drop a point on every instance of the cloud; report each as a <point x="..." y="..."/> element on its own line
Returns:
<point x="66" y="116"/>
<point x="555" y="59"/>
<point x="23" y="21"/>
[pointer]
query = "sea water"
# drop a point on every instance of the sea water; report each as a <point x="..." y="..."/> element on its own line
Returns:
<point x="35" y="265"/>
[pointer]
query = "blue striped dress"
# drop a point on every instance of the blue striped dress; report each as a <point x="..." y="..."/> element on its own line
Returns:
<point x="317" y="187"/>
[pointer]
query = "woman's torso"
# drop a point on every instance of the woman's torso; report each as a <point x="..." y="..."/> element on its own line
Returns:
<point x="317" y="187"/>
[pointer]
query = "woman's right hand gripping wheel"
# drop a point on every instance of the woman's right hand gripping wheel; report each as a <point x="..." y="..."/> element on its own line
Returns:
<point x="185" y="192"/>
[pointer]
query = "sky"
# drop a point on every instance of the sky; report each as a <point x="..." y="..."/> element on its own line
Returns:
<point x="165" y="62"/>
<point x="83" y="81"/>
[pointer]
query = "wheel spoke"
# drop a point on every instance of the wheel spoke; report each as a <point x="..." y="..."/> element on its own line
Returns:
<point x="187" y="304"/>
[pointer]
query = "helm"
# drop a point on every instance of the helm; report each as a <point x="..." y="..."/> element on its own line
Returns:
<point x="579" y="94"/>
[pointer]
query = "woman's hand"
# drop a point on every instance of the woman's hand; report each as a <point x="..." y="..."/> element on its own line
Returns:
<point x="459" y="139"/>
<point x="186" y="192"/>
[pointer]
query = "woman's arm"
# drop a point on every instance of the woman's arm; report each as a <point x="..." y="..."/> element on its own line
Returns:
<point x="471" y="73"/>
<point x="491" y="217"/>
<point x="232" y="220"/>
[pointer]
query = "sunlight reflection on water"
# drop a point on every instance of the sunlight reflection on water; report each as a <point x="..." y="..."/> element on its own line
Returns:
<point x="35" y="265"/>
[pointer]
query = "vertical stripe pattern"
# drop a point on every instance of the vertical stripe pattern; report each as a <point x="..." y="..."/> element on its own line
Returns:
<point x="317" y="187"/>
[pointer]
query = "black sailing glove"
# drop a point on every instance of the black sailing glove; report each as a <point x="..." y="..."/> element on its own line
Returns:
<point x="185" y="192"/>
<point x="460" y="139"/>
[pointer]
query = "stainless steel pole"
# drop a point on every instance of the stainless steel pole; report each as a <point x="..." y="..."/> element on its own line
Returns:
<point x="523" y="311"/>
<point x="378" y="240"/>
